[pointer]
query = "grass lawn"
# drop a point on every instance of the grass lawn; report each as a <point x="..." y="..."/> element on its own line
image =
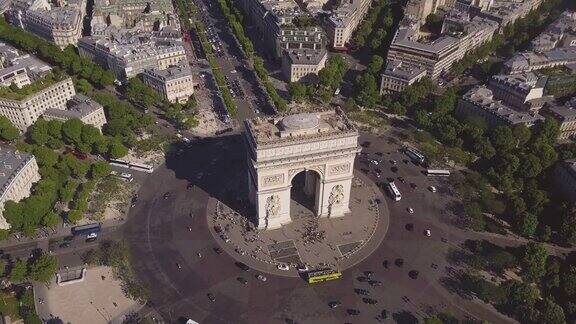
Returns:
<point x="369" y="118"/>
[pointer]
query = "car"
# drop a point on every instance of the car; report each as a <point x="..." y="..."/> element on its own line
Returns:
<point x="370" y="301"/>
<point x="362" y="279"/>
<point x="399" y="262"/>
<point x="432" y="188"/>
<point x="354" y="312"/>
<point x="218" y="250"/>
<point x="92" y="235"/>
<point x="240" y="251"/>
<point x="362" y="292"/>
<point x="427" y="232"/>
<point x="91" y="239"/>
<point x="261" y="277"/>
<point x="225" y="238"/>
<point x="390" y="179"/>
<point x="211" y="297"/>
<point x="217" y="229"/>
<point x="368" y="274"/>
<point x="413" y="274"/>
<point x="410" y="210"/>
<point x="393" y="162"/>
<point x="401" y="179"/>
<point x="334" y="304"/>
<point x="394" y="169"/>
<point x="409" y="227"/>
<point x="302" y="268"/>
<point x="283" y="267"/>
<point x="374" y="162"/>
<point x="413" y="186"/>
<point x="242" y="266"/>
<point x="166" y="195"/>
<point x="242" y="280"/>
<point x="65" y="245"/>
<point x="69" y="239"/>
<point x="189" y="186"/>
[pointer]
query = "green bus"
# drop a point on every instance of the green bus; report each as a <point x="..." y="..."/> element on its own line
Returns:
<point x="323" y="275"/>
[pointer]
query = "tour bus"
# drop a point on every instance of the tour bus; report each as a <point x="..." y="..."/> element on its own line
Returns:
<point x="323" y="275"/>
<point x="394" y="192"/>
<point x="120" y="163"/>
<point x="438" y="173"/>
<point x="132" y="165"/>
<point x="416" y="156"/>
<point x="125" y="176"/>
<point x="88" y="230"/>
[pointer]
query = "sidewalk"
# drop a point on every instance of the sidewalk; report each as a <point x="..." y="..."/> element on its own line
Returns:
<point x="60" y="232"/>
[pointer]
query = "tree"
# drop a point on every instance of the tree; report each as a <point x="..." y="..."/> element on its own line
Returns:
<point x="19" y="272"/>
<point x="116" y="149"/>
<point x="99" y="169"/>
<point x="551" y="313"/>
<point x="432" y="320"/>
<point x="83" y="86"/>
<point x="568" y="282"/>
<point x="7" y="131"/>
<point x="89" y="135"/>
<point x="45" y="157"/>
<point x="520" y="293"/>
<point x="72" y="130"/>
<point x="534" y="261"/>
<point x="530" y="166"/>
<point x="39" y="132"/>
<point x="526" y="224"/>
<point x="297" y="91"/>
<point x="51" y="219"/>
<point x="522" y="134"/>
<point x="44" y="268"/>
<point x="375" y="64"/>
<point x="568" y="226"/>
<point x="502" y="139"/>
<point x="55" y="129"/>
<point x="74" y="216"/>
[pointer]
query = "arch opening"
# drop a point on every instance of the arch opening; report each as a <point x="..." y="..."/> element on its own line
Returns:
<point x="304" y="192"/>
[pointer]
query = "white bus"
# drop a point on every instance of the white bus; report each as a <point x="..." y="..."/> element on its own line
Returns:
<point x="394" y="192"/>
<point x="125" y="176"/>
<point x="415" y="155"/>
<point x="132" y="165"/>
<point x="438" y="173"/>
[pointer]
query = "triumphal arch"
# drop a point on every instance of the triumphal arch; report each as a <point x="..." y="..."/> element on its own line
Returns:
<point x="321" y="144"/>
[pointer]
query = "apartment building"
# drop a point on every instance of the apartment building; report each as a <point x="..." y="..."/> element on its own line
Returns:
<point x="480" y="102"/>
<point x="397" y="76"/>
<point x="520" y="91"/>
<point x="18" y="172"/>
<point x="80" y="107"/>
<point x="24" y="112"/>
<point x="127" y="53"/>
<point x="437" y="55"/>
<point x="556" y="46"/>
<point x="504" y="12"/>
<point x="565" y="178"/>
<point x="292" y="37"/>
<point x="303" y="64"/>
<point x="174" y="84"/>
<point x="19" y="70"/>
<point x="344" y="21"/>
<point x="59" y="25"/>
<point x="565" y="115"/>
<point x="418" y="10"/>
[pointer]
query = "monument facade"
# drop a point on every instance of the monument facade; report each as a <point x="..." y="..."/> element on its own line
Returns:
<point x="322" y="144"/>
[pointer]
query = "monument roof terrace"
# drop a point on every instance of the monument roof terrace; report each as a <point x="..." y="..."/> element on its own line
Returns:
<point x="305" y="127"/>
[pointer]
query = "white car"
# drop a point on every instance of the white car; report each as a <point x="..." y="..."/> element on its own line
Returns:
<point x="432" y="188"/>
<point x="410" y="210"/>
<point x="427" y="232"/>
<point x="302" y="268"/>
<point x="283" y="267"/>
<point x="261" y="278"/>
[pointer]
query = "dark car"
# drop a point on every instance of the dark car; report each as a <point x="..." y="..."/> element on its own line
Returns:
<point x="401" y="179"/>
<point x="413" y="185"/>
<point x="353" y="312"/>
<point x="211" y="297"/>
<point x="379" y="153"/>
<point x="384" y="314"/>
<point x="217" y="229"/>
<point x="334" y="304"/>
<point x="394" y="169"/>
<point x="410" y="227"/>
<point x="366" y="144"/>
<point x="362" y="292"/>
<point x="65" y="245"/>
<point x="413" y="274"/>
<point x="390" y="179"/>
<point x="242" y="266"/>
<point x="189" y="186"/>
<point x="242" y="280"/>
<point x="368" y="274"/>
<point x="166" y="195"/>
<point x="399" y="262"/>
<point x="370" y="301"/>
<point x="69" y="239"/>
<point x="218" y="250"/>
<point x="362" y="279"/>
<point x="91" y="239"/>
<point x="375" y="283"/>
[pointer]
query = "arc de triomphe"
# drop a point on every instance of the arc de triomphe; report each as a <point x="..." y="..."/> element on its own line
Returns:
<point x="322" y="144"/>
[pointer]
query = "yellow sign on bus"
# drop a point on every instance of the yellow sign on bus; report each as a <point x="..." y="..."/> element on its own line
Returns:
<point x="323" y="275"/>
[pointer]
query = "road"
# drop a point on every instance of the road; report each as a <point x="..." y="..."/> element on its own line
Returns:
<point x="157" y="231"/>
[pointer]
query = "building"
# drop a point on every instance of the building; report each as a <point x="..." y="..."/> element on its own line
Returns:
<point x="18" y="69"/>
<point x="519" y="90"/>
<point x="397" y="76"/>
<point x="81" y="107"/>
<point x="18" y="172"/>
<point x="141" y="15"/>
<point x="565" y="115"/>
<point x="556" y="46"/>
<point x="127" y="53"/>
<point x="174" y="84"/>
<point x="418" y="10"/>
<point x="292" y="37"/>
<point x="436" y="55"/>
<point x="320" y="146"/>
<point x="57" y="100"/>
<point x="480" y="102"/>
<point x="344" y="21"/>
<point x="61" y="25"/>
<point x="565" y="178"/>
<point x="303" y="64"/>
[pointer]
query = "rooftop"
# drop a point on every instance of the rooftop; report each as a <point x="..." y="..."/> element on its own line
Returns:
<point x="171" y="73"/>
<point x="300" y="127"/>
<point x="11" y="162"/>
<point x="399" y="70"/>
<point x="78" y="107"/>
<point x="305" y="56"/>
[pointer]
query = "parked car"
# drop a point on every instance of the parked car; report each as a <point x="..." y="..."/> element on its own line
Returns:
<point x="211" y="297"/>
<point x="432" y="188"/>
<point x="283" y="267"/>
<point x="242" y="266"/>
<point x="334" y="304"/>
<point x="242" y="280"/>
<point x="261" y="277"/>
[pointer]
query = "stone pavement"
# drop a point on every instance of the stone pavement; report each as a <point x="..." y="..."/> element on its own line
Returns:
<point x="97" y="299"/>
<point x="318" y="243"/>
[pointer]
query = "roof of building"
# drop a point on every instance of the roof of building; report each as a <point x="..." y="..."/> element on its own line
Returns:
<point x="406" y="72"/>
<point x="57" y="17"/>
<point x="299" y="127"/>
<point x="303" y="56"/>
<point x="11" y="162"/>
<point x="521" y="82"/>
<point x="78" y="107"/>
<point x="171" y="73"/>
<point x="566" y="112"/>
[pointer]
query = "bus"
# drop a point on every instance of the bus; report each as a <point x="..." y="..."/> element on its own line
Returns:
<point x="394" y="192"/>
<point x="88" y="230"/>
<point x="132" y="165"/>
<point x="438" y="173"/>
<point x="125" y="176"/>
<point x="416" y="156"/>
<point x="323" y="275"/>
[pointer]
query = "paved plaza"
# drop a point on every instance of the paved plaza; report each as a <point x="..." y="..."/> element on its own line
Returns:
<point x="307" y="240"/>
<point x="98" y="299"/>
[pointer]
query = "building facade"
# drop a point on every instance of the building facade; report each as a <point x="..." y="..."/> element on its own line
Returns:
<point x="344" y="21"/>
<point x="174" y="84"/>
<point x="88" y="111"/>
<point x="518" y="90"/>
<point x="397" y="76"/>
<point x="322" y="145"/>
<point x="303" y="64"/>
<point x="565" y="115"/>
<point x="18" y="172"/>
